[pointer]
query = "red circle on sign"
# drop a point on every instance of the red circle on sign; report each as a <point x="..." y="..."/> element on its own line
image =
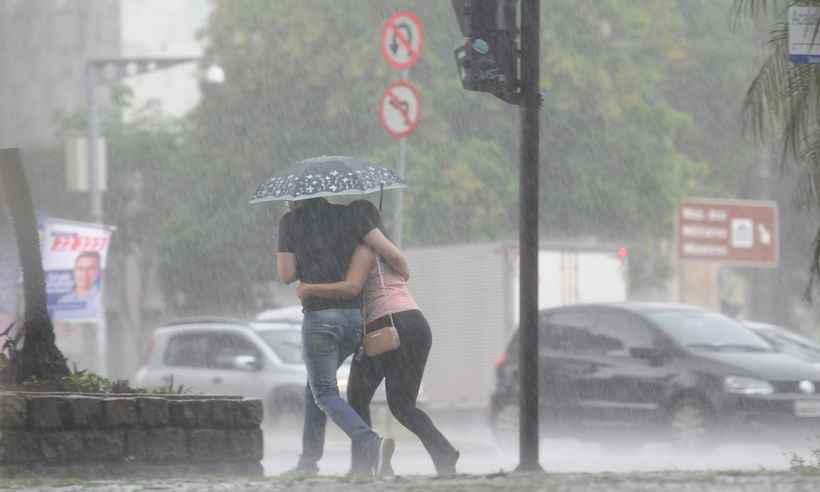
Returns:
<point x="412" y="124"/>
<point x="389" y="27"/>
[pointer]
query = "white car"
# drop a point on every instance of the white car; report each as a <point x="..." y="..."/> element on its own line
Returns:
<point x="224" y="356"/>
<point x="258" y="359"/>
<point x="290" y="313"/>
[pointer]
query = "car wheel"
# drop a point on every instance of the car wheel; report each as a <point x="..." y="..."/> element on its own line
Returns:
<point x="690" y="423"/>
<point x="504" y="419"/>
<point x="286" y="407"/>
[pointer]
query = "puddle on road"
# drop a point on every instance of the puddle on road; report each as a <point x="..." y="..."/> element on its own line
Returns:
<point x="575" y="456"/>
<point x="481" y="455"/>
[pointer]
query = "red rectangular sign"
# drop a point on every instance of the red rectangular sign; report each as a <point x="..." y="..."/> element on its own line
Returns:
<point x="731" y="231"/>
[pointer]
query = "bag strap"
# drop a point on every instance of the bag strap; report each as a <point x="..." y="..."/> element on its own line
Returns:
<point x="364" y="314"/>
<point x="381" y="279"/>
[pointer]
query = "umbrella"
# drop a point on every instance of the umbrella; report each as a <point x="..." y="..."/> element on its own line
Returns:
<point x="327" y="176"/>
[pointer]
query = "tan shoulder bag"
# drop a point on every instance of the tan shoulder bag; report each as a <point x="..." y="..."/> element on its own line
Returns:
<point x="384" y="339"/>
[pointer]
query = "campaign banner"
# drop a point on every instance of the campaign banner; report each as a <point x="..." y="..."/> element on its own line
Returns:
<point x="74" y="259"/>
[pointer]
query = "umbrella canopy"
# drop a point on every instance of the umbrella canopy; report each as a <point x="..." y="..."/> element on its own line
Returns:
<point x="327" y="176"/>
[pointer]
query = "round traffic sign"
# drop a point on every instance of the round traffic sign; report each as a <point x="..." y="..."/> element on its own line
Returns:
<point x="402" y="40"/>
<point x="400" y="109"/>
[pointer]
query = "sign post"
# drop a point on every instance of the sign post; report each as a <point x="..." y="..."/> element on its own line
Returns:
<point x="739" y="232"/>
<point x="402" y="41"/>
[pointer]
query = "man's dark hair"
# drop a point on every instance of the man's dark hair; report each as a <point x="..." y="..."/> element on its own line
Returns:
<point x="308" y="202"/>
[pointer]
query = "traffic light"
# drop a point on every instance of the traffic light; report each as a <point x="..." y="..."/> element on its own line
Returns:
<point x="488" y="61"/>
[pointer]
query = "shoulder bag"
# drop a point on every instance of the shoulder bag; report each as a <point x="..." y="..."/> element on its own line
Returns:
<point x="384" y="339"/>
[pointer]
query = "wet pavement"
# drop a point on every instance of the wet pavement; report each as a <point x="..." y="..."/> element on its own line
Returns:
<point x="676" y="481"/>
<point x="481" y="454"/>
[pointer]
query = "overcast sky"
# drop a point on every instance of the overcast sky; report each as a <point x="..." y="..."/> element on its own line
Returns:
<point x="164" y="28"/>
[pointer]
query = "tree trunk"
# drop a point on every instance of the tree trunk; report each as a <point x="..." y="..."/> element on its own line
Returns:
<point x="39" y="356"/>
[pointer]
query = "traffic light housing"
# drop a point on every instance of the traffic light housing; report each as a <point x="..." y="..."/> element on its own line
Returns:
<point x="488" y="61"/>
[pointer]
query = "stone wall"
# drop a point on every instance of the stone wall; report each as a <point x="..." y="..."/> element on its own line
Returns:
<point x="168" y="435"/>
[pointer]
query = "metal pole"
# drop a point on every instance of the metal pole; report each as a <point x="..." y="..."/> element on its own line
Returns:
<point x="400" y="196"/>
<point x="95" y="190"/>
<point x="528" y="236"/>
<point x="91" y="149"/>
<point x="399" y="212"/>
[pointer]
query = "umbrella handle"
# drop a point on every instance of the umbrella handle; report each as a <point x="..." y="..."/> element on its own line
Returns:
<point x="381" y="195"/>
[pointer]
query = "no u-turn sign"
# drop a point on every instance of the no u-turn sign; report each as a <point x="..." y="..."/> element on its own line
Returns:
<point x="402" y="40"/>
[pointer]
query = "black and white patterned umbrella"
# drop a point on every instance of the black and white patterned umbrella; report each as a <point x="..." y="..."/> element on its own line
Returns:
<point x="327" y="176"/>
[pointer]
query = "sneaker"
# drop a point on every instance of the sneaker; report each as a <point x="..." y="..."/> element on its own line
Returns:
<point x="387" y="446"/>
<point x="300" y="472"/>
<point x="387" y="471"/>
<point x="359" y="475"/>
<point x="447" y="468"/>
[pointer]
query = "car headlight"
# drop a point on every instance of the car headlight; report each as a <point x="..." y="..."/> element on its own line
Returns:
<point x="747" y="386"/>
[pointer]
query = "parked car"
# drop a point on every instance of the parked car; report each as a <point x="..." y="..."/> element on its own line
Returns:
<point x="658" y="371"/>
<point x="225" y="356"/>
<point x="787" y="341"/>
<point x="257" y="359"/>
<point x="291" y="314"/>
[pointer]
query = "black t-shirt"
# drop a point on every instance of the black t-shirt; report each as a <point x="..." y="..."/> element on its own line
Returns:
<point x="323" y="237"/>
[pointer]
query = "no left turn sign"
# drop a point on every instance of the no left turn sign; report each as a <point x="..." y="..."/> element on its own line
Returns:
<point x="402" y="40"/>
<point x="400" y="109"/>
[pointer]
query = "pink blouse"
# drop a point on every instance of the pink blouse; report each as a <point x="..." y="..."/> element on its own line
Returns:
<point x="391" y="298"/>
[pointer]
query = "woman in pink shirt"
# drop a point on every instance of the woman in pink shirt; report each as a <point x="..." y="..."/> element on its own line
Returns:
<point x="386" y="296"/>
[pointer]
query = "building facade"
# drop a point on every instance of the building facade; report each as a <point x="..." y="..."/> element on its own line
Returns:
<point x="43" y="48"/>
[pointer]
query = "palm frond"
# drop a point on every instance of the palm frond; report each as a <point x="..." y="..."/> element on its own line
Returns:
<point x="758" y="9"/>
<point x="784" y="98"/>
<point x="814" y="271"/>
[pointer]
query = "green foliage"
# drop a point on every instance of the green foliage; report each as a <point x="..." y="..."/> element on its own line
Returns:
<point x="639" y="104"/>
<point x="170" y="389"/>
<point x="83" y="381"/>
<point x="75" y="382"/>
<point x="87" y="382"/>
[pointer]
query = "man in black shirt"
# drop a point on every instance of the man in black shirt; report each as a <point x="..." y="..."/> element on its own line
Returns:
<point x="316" y="244"/>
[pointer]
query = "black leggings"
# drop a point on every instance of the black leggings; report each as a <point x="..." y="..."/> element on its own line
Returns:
<point x="402" y="370"/>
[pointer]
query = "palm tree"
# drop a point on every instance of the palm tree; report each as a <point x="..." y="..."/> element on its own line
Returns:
<point x="783" y="101"/>
<point x="39" y="356"/>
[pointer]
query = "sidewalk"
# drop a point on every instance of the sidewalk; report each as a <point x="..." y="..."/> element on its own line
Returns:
<point x="676" y="481"/>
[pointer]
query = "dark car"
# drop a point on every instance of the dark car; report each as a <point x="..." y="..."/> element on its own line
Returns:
<point x="787" y="341"/>
<point x="658" y="371"/>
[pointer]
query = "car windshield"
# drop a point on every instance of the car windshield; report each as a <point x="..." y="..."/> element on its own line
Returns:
<point x="700" y="330"/>
<point x="286" y="343"/>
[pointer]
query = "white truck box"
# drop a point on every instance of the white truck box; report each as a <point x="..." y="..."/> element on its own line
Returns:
<point x="469" y="295"/>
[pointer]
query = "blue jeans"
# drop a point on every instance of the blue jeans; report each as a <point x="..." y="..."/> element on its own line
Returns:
<point x="329" y="336"/>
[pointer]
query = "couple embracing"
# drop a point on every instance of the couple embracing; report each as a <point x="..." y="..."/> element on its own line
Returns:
<point x="349" y="272"/>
